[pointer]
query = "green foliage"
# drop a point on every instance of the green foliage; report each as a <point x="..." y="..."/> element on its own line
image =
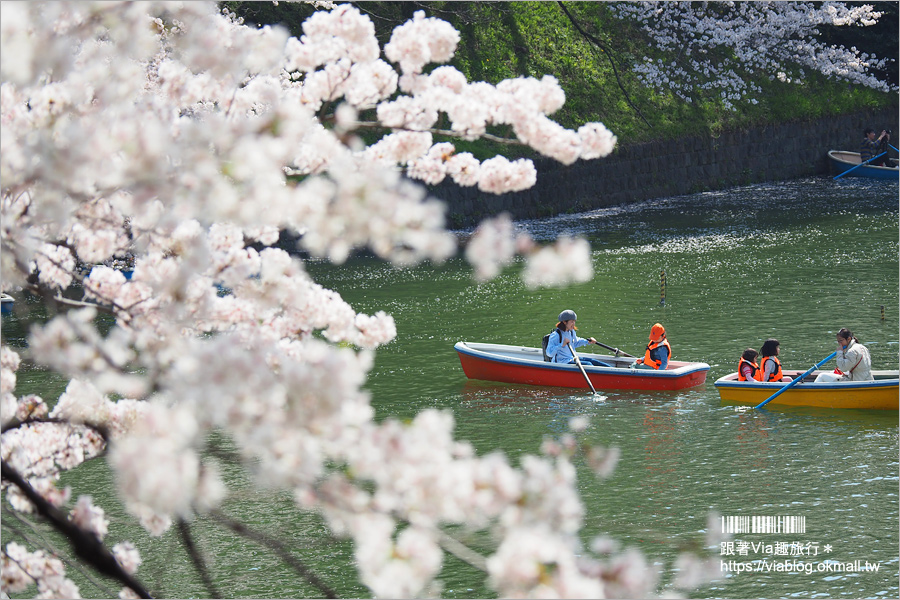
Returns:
<point x="534" y="38"/>
<point x="500" y="40"/>
<point x="268" y="13"/>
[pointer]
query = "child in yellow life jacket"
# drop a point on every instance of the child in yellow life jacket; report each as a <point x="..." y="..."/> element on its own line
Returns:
<point x="748" y="370"/>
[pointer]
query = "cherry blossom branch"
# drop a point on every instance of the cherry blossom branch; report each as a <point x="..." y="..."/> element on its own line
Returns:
<point x="58" y="300"/>
<point x="39" y="288"/>
<point x="608" y="54"/>
<point x="23" y="568"/>
<point x="374" y="125"/>
<point x="46" y="545"/>
<point x="86" y="545"/>
<point x="16" y="423"/>
<point x="725" y="50"/>
<point x="280" y="549"/>
<point x="225" y="455"/>
<point x="461" y="551"/>
<point x="184" y="529"/>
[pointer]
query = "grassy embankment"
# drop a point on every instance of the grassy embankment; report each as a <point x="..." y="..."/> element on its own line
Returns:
<point x="500" y="40"/>
<point x="534" y="38"/>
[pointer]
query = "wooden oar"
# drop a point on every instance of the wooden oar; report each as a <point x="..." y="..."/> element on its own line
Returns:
<point x="583" y="372"/>
<point x="616" y="350"/>
<point x="796" y="380"/>
<point x="859" y="165"/>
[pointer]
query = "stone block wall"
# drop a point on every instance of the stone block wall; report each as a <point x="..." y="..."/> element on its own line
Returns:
<point x="637" y="172"/>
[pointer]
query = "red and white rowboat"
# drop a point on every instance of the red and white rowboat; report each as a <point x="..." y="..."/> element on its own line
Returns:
<point x="515" y="364"/>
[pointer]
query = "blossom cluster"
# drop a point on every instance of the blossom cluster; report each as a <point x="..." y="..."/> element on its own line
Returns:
<point x="39" y="449"/>
<point x="714" y="45"/>
<point x="21" y="569"/>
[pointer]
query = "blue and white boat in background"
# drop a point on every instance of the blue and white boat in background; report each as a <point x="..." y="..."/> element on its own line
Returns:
<point x="6" y="303"/>
<point x="841" y="161"/>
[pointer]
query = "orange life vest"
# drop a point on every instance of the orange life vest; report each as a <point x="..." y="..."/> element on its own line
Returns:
<point x="652" y="346"/>
<point x="777" y="375"/>
<point x="757" y="374"/>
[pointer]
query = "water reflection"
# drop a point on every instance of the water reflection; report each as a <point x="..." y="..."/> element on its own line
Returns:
<point x="662" y="450"/>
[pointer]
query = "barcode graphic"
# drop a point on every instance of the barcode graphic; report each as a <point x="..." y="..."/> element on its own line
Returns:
<point x="763" y="524"/>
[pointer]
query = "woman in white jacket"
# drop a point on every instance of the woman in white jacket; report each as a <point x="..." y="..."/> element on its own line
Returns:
<point x="853" y="358"/>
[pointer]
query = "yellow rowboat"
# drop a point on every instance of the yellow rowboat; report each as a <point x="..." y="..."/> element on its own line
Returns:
<point x="880" y="394"/>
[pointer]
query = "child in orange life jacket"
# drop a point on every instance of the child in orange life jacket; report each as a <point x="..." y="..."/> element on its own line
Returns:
<point x="748" y="370"/>
<point x="770" y="366"/>
<point x="658" y="351"/>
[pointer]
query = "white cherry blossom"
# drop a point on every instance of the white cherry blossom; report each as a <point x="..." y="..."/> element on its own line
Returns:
<point x="778" y="39"/>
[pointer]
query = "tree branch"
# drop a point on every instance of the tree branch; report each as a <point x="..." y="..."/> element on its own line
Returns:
<point x="606" y="51"/>
<point x="461" y="551"/>
<point x="86" y="545"/>
<point x="447" y="132"/>
<point x="278" y="548"/>
<point x="102" y="430"/>
<point x="185" y="530"/>
<point x="49" y="548"/>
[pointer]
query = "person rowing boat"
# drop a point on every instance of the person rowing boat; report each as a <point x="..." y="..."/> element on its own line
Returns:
<point x="563" y="341"/>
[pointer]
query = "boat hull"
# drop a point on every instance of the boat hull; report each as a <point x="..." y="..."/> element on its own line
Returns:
<point x="842" y="160"/>
<point x="515" y="364"/>
<point x="6" y="303"/>
<point x="881" y="394"/>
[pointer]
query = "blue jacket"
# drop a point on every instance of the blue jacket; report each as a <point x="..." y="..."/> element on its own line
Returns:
<point x="563" y="354"/>
<point x="661" y="353"/>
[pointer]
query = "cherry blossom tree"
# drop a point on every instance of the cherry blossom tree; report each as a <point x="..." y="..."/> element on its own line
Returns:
<point x="720" y="48"/>
<point x="173" y="138"/>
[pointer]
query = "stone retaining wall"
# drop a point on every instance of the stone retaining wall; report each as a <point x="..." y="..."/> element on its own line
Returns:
<point x="659" y="169"/>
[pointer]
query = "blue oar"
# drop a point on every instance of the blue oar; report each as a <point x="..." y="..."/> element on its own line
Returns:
<point x="796" y="380"/>
<point x="859" y="165"/>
